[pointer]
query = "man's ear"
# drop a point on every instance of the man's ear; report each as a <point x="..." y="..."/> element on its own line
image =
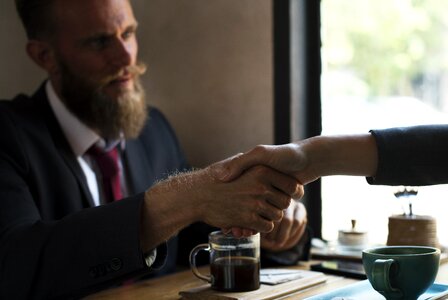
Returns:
<point x="42" y="54"/>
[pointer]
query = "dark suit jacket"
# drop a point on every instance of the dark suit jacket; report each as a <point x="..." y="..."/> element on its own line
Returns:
<point x="415" y="155"/>
<point x="53" y="243"/>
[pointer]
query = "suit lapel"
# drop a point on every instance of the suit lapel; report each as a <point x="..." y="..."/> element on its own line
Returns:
<point x="62" y="144"/>
<point x="74" y="166"/>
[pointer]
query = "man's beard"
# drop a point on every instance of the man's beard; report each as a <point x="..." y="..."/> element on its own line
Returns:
<point x="110" y="117"/>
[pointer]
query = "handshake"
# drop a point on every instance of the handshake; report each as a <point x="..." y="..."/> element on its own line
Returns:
<point x="258" y="191"/>
<point x="279" y="189"/>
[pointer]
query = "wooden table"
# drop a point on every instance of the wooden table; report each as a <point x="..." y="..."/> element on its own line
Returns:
<point x="168" y="287"/>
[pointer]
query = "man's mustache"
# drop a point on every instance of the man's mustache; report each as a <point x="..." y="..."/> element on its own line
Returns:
<point x="134" y="71"/>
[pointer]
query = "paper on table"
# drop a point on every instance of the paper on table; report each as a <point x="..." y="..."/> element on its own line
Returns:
<point x="276" y="276"/>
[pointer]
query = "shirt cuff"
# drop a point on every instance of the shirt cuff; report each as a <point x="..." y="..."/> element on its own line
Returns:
<point x="156" y="258"/>
<point x="150" y="257"/>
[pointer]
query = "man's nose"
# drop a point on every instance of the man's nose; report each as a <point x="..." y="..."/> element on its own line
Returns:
<point x="123" y="54"/>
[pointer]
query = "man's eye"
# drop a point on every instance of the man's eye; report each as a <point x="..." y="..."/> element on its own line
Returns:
<point x="128" y="34"/>
<point x="98" y="43"/>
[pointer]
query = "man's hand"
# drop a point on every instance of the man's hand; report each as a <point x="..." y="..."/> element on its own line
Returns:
<point x="257" y="198"/>
<point x="286" y="233"/>
<point x="254" y="200"/>
<point x="290" y="159"/>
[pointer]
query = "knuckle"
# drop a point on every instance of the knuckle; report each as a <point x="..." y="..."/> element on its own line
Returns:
<point x="297" y="189"/>
<point x="260" y="224"/>
<point x="285" y="201"/>
<point x="290" y="222"/>
<point x="268" y="226"/>
<point x="278" y="215"/>
<point x="291" y="187"/>
<point x="281" y="201"/>
<point x="259" y="149"/>
<point x="236" y="157"/>
<point x="300" y="192"/>
<point x="304" y="222"/>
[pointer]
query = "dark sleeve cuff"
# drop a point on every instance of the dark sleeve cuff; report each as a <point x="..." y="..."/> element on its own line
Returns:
<point x="413" y="155"/>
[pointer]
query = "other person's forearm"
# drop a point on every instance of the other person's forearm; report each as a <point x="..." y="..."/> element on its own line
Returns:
<point x="341" y="155"/>
<point x="309" y="159"/>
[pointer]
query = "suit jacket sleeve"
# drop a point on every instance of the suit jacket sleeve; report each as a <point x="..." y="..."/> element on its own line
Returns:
<point x="45" y="258"/>
<point x="412" y="155"/>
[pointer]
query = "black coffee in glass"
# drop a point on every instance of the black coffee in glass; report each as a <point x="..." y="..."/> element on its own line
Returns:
<point x="234" y="262"/>
<point x="235" y="274"/>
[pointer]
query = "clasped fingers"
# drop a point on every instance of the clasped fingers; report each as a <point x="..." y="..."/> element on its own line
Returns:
<point x="289" y="230"/>
<point x="271" y="178"/>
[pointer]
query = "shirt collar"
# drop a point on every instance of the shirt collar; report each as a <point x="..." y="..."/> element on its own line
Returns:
<point x="79" y="136"/>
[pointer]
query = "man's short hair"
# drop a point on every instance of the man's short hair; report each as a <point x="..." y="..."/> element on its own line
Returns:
<point x="36" y="17"/>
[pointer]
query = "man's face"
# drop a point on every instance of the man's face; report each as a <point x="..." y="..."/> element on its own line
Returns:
<point x="97" y="75"/>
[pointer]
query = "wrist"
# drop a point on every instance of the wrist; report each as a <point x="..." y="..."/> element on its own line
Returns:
<point x="344" y="155"/>
<point x="165" y="211"/>
<point x="175" y="198"/>
<point x="316" y="152"/>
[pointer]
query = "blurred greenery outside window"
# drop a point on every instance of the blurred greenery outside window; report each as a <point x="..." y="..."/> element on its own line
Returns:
<point x="384" y="64"/>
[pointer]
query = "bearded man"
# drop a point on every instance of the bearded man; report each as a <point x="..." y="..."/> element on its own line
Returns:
<point x="63" y="234"/>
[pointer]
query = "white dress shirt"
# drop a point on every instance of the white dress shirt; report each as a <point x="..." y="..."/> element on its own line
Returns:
<point x="81" y="138"/>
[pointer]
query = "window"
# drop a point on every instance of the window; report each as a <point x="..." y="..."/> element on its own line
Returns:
<point x="384" y="64"/>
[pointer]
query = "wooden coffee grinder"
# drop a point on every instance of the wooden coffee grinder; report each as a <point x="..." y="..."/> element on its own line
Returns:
<point x="411" y="229"/>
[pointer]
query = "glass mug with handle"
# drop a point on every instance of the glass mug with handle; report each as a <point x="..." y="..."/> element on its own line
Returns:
<point x="234" y="262"/>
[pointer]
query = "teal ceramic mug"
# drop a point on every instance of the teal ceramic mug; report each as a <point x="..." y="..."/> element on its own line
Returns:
<point x="401" y="272"/>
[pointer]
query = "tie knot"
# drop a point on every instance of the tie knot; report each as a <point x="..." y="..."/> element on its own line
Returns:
<point x="107" y="160"/>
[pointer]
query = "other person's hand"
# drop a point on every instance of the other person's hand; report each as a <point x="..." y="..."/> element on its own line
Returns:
<point x="288" y="231"/>
<point x="289" y="159"/>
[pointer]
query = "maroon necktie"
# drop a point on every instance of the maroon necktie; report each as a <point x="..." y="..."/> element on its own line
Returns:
<point x="107" y="162"/>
